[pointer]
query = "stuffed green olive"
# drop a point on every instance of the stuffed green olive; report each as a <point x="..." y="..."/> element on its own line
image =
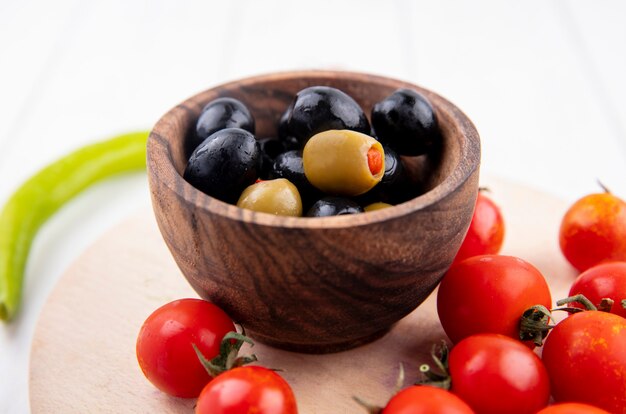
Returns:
<point x="343" y="162"/>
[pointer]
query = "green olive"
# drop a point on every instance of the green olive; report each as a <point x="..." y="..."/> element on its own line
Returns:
<point x="279" y="197"/>
<point x="376" y="206"/>
<point x="343" y="162"/>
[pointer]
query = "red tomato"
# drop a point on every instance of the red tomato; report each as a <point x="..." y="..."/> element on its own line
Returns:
<point x="165" y="345"/>
<point x="585" y="355"/>
<point x="486" y="231"/>
<point x="489" y="294"/>
<point x="422" y="399"/>
<point x="572" y="408"/>
<point x="495" y="374"/>
<point x="594" y="231"/>
<point x="606" y="280"/>
<point x="250" y="389"/>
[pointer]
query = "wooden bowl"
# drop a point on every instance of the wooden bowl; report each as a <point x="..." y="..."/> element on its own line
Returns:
<point x="314" y="284"/>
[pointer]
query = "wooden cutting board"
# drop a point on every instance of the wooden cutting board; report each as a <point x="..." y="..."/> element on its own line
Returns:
<point x="83" y="352"/>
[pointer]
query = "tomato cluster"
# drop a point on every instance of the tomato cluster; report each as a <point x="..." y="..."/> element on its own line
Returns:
<point x="495" y="309"/>
<point x="187" y="348"/>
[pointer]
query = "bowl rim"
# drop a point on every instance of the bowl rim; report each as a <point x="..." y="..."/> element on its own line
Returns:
<point x="166" y="173"/>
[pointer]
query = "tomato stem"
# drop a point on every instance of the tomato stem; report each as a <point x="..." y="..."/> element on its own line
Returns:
<point x="374" y="409"/>
<point x="228" y="357"/>
<point x="371" y="408"/>
<point x="604" y="187"/>
<point x="577" y="298"/>
<point x="439" y="354"/>
<point x="534" y="324"/>
<point x="399" y="380"/>
<point x="624" y="303"/>
<point x="606" y="304"/>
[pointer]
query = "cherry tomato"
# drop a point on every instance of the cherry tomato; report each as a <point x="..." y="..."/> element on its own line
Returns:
<point x="585" y="355"/>
<point x="607" y="280"/>
<point x="496" y="374"/>
<point x="165" y="345"/>
<point x="486" y="231"/>
<point x="489" y="294"/>
<point x="423" y="399"/>
<point x="572" y="408"/>
<point x="250" y="389"/>
<point x="593" y="231"/>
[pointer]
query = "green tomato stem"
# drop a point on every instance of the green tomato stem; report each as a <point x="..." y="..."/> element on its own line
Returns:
<point x="534" y="324"/>
<point x="46" y="192"/>
<point x="228" y="356"/>
<point x="580" y="299"/>
<point x="440" y="355"/>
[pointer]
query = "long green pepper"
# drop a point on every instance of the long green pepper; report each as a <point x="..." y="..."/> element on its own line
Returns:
<point x="47" y="191"/>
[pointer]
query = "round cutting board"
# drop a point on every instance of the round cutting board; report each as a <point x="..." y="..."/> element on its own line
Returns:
<point x="83" y="352"/>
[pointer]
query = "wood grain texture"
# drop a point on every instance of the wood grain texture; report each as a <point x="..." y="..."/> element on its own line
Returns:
<point x="313" y="284"/>
<point x="83" y="353"/>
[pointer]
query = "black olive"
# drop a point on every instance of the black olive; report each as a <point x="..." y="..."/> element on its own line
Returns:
<point x="406" y="121"/>
<point x="289" y="165"/>
<point x="289" y="141"/>
<point x="224" y="164"/>
<point x="393" y="187"/>
<point x="283" y="128"/>
<point x="270" y="149"/>
<point x="334" y="206"/>
<point x="320" y="108"/>
<point x="219" y="114"/>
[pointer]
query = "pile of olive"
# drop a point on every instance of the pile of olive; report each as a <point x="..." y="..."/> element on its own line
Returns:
<point x="325" y="160"/>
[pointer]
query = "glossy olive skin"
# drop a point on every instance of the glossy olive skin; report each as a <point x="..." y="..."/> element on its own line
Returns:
<point x="279" y="197"/>
<point x="406" y="121"/>
<point x="395" y="182"/>
<point x="289" y="165"/>
<point x="334" y="206"/>
<point x="219" y="114"/>
<point x="224" y="164"/>
<point x="320" y="108"/>
<point x="337" y="163"/>
<point x="270" y="149"/>
<point x="289" y="141"/>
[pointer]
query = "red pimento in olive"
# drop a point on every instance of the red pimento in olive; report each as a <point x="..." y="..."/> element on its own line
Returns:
<point x="374" y="160"/>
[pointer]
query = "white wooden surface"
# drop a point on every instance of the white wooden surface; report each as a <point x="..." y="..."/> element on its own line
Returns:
<point x="543" y="81"/>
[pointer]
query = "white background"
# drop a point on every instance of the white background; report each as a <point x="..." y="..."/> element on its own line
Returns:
<point x="543" y="80"/>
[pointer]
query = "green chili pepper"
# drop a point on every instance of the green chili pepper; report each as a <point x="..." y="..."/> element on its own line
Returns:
<point x="47" y="191"/>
